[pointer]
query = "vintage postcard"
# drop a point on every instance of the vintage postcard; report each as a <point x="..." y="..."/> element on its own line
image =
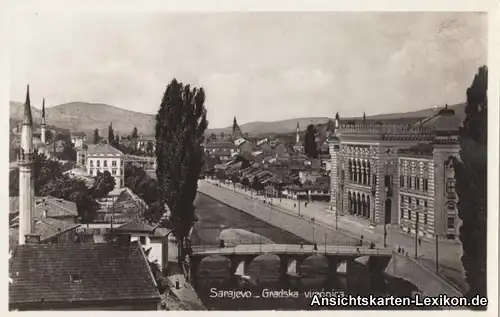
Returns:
<point x="244" y="161"/>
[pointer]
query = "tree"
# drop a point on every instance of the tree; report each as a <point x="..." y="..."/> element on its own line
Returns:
<point x="63" y="136"/>
<point x="180" y="126"/>
<point x="149" y="147"/>
<point x="103" y="184"/>
<point x="97" y="137"/>
<point x="111" y="135"/>
<point x="257" y="185"/>
<point x="49" y="136"/>
<point x="310" y="146"/>
<point x="117" y="140"/>
<point x="135" y="134"/>
<point x="49" y="180"/>
<point x="245" y="182"/>
<point x="69" y="152"/>
<point x="330" y="125"/>
<point x="471" y="188"/>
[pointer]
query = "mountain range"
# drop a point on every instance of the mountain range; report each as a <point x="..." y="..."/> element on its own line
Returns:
<point x="85" y="117"/>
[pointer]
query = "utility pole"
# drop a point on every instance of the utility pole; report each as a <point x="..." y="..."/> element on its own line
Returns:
<point x="314" y="238"/>
<point x="325" y="243"/>
<point x="437" y="254"/>
<point x="416" y="234"/>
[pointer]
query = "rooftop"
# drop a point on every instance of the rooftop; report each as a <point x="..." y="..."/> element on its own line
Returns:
<point x="72" y="273"/>
<point x="220" y="145"/>
<point x="55" y="207"/>
<point x="102" y="149"/>
<point x="46" y="228"/>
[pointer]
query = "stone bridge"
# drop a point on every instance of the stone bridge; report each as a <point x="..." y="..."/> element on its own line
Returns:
<point x="144" y="162"/>
<point x="362" y="264"/>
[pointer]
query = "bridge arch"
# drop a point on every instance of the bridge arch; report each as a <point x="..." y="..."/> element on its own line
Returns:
<point x="314" y="270"/>
<point x="214" y="268"/>
<point x="264" y="268"/>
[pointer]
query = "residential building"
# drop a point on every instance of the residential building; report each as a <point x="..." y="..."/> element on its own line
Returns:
<point x="46" y="231"/>
<point x="146" y="144"/>
<point x="220" y="149"/>
<point x="82" y="277"/>
<point x="104" y="157"/>
<point x="78" y="139"/>
<point x="380" y="173"/>
<point x="46" y="207"/>
<point x="150" y="237"/>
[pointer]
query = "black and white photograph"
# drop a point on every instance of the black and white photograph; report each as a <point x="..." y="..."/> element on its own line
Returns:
<point x="250" y="161"/>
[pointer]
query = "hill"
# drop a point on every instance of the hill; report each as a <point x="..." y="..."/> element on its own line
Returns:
<point x="283" y="126"/>
<point x="85" y="117"/>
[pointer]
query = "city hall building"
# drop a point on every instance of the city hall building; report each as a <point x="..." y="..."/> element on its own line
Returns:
<point x="399" y="175"/>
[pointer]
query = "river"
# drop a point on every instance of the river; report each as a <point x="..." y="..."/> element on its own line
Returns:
<point x="218" y="221"/>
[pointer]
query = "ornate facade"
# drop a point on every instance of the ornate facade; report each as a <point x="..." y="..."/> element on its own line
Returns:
<point x="400" y="175"/>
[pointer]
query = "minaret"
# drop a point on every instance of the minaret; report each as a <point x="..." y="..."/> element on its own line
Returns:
<point x="337" y="123"/>
<point x="26" y="163"/>
<point x="297" y="131"/>
<point x="43" y="125"/>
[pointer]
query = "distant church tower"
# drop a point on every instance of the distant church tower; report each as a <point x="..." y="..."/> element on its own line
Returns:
<point x="297" y="136"/>
<point x="43" y="125"/>
<point x="26" y="163"/>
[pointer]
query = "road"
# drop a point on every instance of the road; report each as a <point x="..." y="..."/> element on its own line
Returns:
<point x="348" y="226"/>
<point x="308" y="231"/>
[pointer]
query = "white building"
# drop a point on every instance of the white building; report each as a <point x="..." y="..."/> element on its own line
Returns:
<point x="78" y="139"/>
<point x="103" y="157"/>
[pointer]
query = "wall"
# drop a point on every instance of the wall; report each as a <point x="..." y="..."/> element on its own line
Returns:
<point x="118" y="169"/>
<point x="427" y="282"/>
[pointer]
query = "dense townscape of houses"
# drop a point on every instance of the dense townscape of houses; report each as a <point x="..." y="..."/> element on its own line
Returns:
<point x="386" y="174"/>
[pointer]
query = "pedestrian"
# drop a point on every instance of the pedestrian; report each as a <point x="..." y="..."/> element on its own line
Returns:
<point x="406" y="253"/>
<point x="402" y="251"/>
<point x="294" y="205"/>
<point x="302" y="245"/>
<point x="399" y="249"/>
<point x="419" y="241"/>
<point x="372" y="245"/>
<point x="315" y="246"/>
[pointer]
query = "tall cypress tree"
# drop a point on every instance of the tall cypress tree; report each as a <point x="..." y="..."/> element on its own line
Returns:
<point x="235" y="124"/>
<point x="180" y="125"/>
<point x="97" y="137"/>
<point x="310" y="146"/>
<point x="471" y="176"/>
<point x="111" y="135"/>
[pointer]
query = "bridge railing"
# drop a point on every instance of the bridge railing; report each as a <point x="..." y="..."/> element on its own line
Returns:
<point x="287" y="248"/>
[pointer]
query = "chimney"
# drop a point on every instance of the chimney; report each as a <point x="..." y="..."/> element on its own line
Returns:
<point x="32" y="239"/>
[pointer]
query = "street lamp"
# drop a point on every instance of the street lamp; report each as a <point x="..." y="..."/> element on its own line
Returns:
<point x="416" y="234"/>
<point x="385" y="235"/>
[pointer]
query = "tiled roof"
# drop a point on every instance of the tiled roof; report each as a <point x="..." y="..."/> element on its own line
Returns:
<point x="55" y="207"/>
<point x="136" y="225"/>
<point x="47" y="228"/>
<point x="78" y="134"/>
<point x="73" y="273"/>
<point x="102" y="149"/>
<point x="220" y="145"/>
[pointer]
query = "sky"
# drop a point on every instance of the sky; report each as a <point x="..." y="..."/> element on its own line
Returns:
<point x="255" y="66"/>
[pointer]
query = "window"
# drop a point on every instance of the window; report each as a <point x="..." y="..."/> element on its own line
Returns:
<point x="402" y="181"/>
<point x="98" y="163"/>
<point x="409" y="214"/>
<point x="426" y="184"/>
<point x="402" y="212"/>
<point x="408" y="182"/>
<point x="105" y="163"/>
<point x="450" y="187"/>
<point x="387" y="180"/>
<point x="418" y="183"/>
<point x="121" y="183"/>
<point x="113" y="163"/>
<point x="142" y="240"/>
<point x="402" y="200"/>
<point x="91" y="162"/>
<point x="451" y="223"/>
<point x="418" y="203"/>
<point x="113" y="171"/>
<point x="91" y="172"/>
<point x="425" y="218"/>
